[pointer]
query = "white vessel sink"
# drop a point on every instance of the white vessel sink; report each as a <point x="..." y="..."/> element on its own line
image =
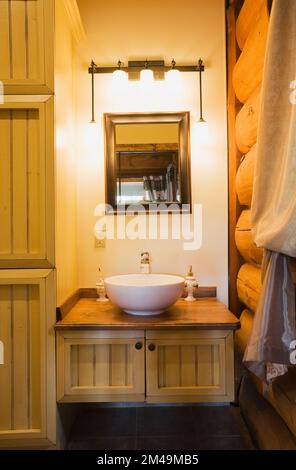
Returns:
<point x="144" y="294"/>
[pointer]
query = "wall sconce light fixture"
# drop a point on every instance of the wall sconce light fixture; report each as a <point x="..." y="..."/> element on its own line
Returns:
<point x="147" y="69"/>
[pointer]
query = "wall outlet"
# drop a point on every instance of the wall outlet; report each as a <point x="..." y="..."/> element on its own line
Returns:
<point x="100" y="243"/>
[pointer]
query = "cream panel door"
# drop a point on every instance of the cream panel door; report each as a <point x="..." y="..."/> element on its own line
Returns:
<point x="26" y="46"/>
<point x="100" y="365"/>
<point x="27" y="376"/>
<point x="26" y="184"/>
<point x="195" y="369"/>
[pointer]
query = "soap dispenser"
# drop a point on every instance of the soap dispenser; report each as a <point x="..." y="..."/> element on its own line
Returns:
<point x="101" y="291"/>
<point x="190" y="283"/>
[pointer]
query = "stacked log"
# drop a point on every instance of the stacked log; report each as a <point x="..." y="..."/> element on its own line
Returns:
<point x="244" y="240"/>
<point x="251" y="33"/>
<point x="251" y="36"/>
<point x="247" y="74"/>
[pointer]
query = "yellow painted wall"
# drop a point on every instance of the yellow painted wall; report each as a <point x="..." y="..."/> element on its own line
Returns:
<point x="186" y="31"/>
<point x="65" y="161"/>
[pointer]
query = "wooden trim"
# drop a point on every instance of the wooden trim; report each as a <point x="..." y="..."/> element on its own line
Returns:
<point x="69" y="303"/>
<point x="26" y="98"/>
<point x="190" y="399"/>
<point x="50" y="182"/>
<point x="101" y="335"/>
<point x="50" y="376"/>
<point x="12" y="275"/>
<point x="201" y="292"/>
<point x="186" y="334"/>
<point x="30" y="263"/>
<point x="88" y="314"/>
<point x="229" y="366"/>
<point x="75" y="20"/>
<point x="233" y="106"/>
<point x="49" y="41"/>
<point x="102" y="398"/>
<point x="91" y="293"/>
<point x="22" y="441"/>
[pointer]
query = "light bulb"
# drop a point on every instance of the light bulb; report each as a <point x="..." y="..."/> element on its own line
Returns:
<point x="119" y="76"/>
<point x="202" y="131"/>
<point x="172" y="74"/>
<point x="146" y="76"/>
<point x="172" y="78"/>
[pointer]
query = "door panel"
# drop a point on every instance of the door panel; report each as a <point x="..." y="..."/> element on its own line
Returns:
<point x="26" y="185"/>
<point x="26" y="52"/>
<point x="25" y="319"/>
<point x="100" y="366"/>
<point x="190" y="369"/>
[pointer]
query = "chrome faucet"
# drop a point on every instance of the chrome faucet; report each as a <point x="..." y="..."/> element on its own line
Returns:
<point x="145" y="263"/>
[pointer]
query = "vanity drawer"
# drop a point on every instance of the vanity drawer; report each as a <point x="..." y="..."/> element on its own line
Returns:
<point x="100" y="366"/>
<point x="189" y="366"/>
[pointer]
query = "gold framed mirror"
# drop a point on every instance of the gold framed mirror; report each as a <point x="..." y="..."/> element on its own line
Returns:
<point x="147" y="162"/>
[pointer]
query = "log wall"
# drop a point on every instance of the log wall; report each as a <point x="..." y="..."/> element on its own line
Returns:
<point x="251" y="21"/>
<point x="247" y="27"/>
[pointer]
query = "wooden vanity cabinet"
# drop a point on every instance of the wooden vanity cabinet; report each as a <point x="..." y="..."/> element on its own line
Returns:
<point x="186" y="355"/>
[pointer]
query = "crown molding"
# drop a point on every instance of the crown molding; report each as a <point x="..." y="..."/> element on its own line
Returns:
<point x="74" y="19"/>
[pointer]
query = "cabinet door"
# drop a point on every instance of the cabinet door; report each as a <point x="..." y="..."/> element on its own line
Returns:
<point x="26" y="184"/>
<point x="100" y="366"/>
<point x="26" y="46"/>
<point x="188" y="366"/>
<point x="27" y="376"/>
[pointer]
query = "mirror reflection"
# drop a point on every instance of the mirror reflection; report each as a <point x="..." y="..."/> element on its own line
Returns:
<point x="147" y="164"/>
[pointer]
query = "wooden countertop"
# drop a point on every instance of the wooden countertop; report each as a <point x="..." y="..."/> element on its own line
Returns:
<point x="205" y="313"/>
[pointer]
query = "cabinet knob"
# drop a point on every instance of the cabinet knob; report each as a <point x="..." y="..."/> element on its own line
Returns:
<point x="139" y="345"/>
<point x="151" y="347"/>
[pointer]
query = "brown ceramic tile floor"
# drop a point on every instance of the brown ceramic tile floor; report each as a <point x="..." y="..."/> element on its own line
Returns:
<point x="186" y="427"/>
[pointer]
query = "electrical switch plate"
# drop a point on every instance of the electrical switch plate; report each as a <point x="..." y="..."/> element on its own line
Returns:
<point x="100" y="243"/>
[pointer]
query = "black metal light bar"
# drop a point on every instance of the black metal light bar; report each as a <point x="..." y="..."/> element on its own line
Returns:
<point x="155" y="65"/>
<point x="137" y="66"/>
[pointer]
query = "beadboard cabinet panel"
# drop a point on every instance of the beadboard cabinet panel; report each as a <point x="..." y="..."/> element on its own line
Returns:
<point x="26" y="52"/>
<point x="100" y="366"/>
<point x="27" y="404"/>
<point x="26" y="184"/>
<point x="199" y="368"/>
